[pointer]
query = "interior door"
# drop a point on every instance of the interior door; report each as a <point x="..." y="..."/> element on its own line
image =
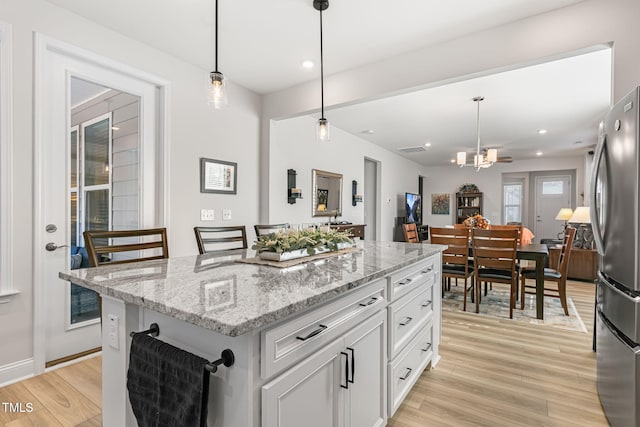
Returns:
<point x="552" y="194"/>
<point x="58" y="202"/>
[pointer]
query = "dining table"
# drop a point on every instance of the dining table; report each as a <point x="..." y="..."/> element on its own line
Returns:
<point x="536" y="252"/>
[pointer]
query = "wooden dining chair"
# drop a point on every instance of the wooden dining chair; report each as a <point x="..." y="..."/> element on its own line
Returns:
<point x="518" y="227"/>
<point x="215" y="239"/>
<point x="123" y="246"/>
<point x="494" y="257"/>
<point x="455" y="259"/>
<point x="262" y="229"/>
<point x="557" y="275"/>
<point x="410" y="233"/>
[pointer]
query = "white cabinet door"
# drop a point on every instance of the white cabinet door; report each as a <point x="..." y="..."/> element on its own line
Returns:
<point x="309" y="394"/>
<point x="367" y="393"/>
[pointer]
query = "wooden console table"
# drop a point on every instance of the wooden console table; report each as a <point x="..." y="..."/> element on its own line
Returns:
<point x="583" y="263"/>
<point x="357" y="230"/>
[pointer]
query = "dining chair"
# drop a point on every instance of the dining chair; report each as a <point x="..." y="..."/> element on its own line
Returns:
<point x="494" y="257"/>
<point x="518" y="227"/>
<point x="262" y="229"/>
<point x="214" y="239"/>
<point x="123" y="246"/>
<point x="410" y="233"/>
<point x="455" y="259"/>
<point x="557" y="275"/>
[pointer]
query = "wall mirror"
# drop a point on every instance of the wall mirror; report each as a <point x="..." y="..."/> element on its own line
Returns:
<point x="327" y="193"/>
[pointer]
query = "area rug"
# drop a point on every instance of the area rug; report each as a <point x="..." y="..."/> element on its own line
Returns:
<point x="496" y="304"/>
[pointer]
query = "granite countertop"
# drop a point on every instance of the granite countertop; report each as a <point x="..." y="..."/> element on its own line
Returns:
<point x="218" y="293"/>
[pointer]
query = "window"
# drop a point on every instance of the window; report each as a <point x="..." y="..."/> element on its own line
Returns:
<point x="513" y="194"/>
<point x="552" y="188"/>
<point x="6" y="141"/>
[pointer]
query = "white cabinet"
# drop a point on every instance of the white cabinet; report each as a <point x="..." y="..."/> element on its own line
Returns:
<point x="344" y="384"/>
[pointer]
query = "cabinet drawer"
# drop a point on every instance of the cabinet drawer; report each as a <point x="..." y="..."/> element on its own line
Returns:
<point x="403" y="281"/>
<point x="405" y="370"/>
<point x="294" y="339"/>
<point x="408" y="315"/>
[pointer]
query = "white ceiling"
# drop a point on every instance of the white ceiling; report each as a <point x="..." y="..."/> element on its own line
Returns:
<point x="262" y="44"/>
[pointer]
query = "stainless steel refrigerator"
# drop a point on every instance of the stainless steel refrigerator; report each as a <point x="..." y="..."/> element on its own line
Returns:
<point x="615" y="191"/>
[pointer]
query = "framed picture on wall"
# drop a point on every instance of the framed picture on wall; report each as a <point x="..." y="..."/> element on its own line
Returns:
<point x="218" y="176"/>
<point x="440" y="204"/>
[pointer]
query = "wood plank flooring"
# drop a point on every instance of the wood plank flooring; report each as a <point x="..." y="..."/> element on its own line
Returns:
<point x="493" y="372"/>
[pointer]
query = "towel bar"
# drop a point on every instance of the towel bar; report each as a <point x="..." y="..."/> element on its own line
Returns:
<point x="227" y="357"/>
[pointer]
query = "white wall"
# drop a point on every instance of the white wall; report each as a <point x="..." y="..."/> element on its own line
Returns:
<point x="194" y="131"/>
<point x="294" y="147"/>
<point x="448" y="179"/>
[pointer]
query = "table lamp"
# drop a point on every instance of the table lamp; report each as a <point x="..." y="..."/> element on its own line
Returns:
<point x="584" y="235"/>
<point x="564" y="215"/>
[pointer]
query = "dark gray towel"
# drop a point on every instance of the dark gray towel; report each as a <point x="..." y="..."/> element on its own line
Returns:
<point x="167" y="385"/>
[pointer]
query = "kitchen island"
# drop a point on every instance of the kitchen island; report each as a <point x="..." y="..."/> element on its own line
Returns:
<point x="332" y="342"/>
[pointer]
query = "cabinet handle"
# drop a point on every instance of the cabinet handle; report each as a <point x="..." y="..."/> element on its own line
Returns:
<point x="313" y="333"/>
<point x="427" y="348"/>
<point x="405" y="282"/>
<point x="428" y="270"/>
<point x="371" y="301"/>
<point x="426" y="304"/>
<point x="353" y="365"/>
<point x="406" y="321"/>
<point x="346" y="370"/>
<point x="406" y="374"/>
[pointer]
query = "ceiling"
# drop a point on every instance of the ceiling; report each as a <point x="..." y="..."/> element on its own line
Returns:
<point x="262" y="44"/>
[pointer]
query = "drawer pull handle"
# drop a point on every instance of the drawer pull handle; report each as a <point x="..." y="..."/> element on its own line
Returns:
<point x="426" y="304"/>
<point x="406" y="321"/>
<point x="353" y="365"/>
<point x="405" y="282"/>
<point x="427" y="348"/>
<point x="406" y="374"/>
<point x="428" y="270"/>
<point x="346" y="370"/>
<point x="371" y="301"/>
<point x="313" y="333"/>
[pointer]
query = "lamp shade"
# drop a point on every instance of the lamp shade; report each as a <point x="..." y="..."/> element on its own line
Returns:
<point x="461" y="158"/>
<point x="564" y="214"/>
<point x="492" y="155"/>
<point x="582" y="214"/>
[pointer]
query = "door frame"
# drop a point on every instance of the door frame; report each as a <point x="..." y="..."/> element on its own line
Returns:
<point x="533" y="191"/>
<point x="70" y="55"/>
<point x="378" y="191"/>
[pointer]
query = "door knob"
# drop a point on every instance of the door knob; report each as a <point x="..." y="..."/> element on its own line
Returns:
<point x="52" y="246"/>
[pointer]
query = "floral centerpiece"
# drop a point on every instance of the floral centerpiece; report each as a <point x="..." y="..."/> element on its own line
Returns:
<point x="290" y="244"/>
<point x="476" y="221"/>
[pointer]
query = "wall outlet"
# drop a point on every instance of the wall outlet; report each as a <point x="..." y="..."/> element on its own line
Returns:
<point x="226" y="214"/>
<point x="112" y="331"/>
<point x="207" y="214"/>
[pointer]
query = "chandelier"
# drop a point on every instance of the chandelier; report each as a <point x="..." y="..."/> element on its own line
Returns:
<point x="482" y="159"/>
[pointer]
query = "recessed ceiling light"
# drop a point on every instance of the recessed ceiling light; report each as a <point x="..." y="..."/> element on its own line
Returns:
<point x="115" y="128"/>
<point x="369" y="131"/>
<point x="307" y="64"/>
<point x="542" y="131"/>
<point x="427" y="144"/>
<point x="538" y="153"/>
<point x="453" y="160"/>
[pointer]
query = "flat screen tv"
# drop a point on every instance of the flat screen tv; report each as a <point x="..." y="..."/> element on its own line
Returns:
<point x="413" y="206"/>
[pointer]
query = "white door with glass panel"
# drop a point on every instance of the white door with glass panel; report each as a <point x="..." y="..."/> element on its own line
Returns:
<point x="552" y="194"/>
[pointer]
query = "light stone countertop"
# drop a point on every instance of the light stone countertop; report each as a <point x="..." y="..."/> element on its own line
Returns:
<point x="218" y="293"/>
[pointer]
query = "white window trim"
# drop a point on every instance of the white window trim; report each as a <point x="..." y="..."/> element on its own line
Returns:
<point x="514" y="181"/>
<point x="6" y="156"/>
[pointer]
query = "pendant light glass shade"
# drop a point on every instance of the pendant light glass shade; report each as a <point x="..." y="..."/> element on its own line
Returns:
<point x="217" y="84"/>
<point x="461" y="158"/>
<point x="323" y="130"/>
<point x="217" y="90"/>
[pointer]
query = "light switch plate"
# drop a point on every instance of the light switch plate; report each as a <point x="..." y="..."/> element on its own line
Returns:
<point x="207" y="214"/>
<point x="226" y="214"/>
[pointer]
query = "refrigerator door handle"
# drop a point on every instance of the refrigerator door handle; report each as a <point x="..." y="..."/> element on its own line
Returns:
<point x="595" y="220"/>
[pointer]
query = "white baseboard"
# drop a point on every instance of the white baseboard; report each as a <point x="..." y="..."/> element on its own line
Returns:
<point x="16" y="371"/>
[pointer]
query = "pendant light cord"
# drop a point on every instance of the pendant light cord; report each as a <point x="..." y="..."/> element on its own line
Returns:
<point x="478" y="132"/>
<point x="216" y="23"/>
<point x="321" y="69"/>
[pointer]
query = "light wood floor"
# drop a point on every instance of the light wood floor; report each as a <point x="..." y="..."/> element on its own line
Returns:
<point x="493" y="372"/>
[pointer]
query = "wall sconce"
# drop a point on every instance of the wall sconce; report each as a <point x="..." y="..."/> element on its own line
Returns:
<point x="355" y="197"/>
<point x="293" y="193"/>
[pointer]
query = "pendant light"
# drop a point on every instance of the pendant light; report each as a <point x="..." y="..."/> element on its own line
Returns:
<point x="480" y="160"/>
<point x="323" y="131"/>
<point x="217" y="86"/>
